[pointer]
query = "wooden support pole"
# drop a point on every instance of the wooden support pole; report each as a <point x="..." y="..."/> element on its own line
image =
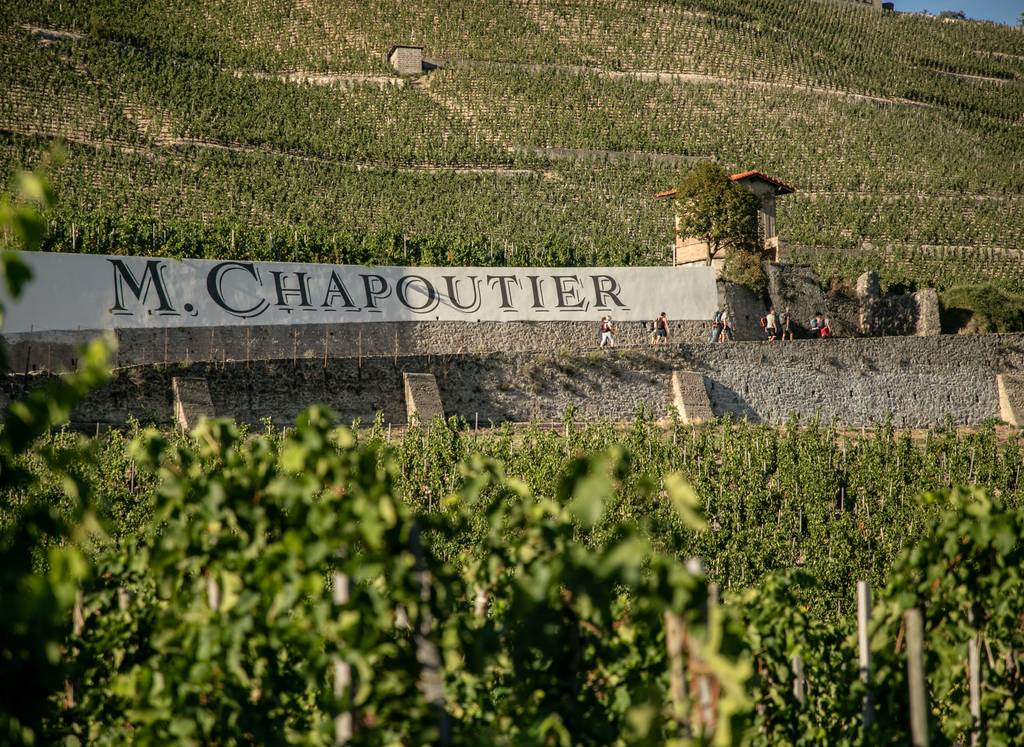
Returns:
<point x="674" y="637"/>
<point x="864" y="650"/>
<point x="427" y="653"/>
<point x="77" y="626"/>
<point x="706" y="690"/>
<point x="799" y="682"/>
<point x="212" y="592"/>
<point x="480" y="602"/>
<point x="974" y="677"/>
<point x="916" y="678"/>
<point x="342" y="670"/>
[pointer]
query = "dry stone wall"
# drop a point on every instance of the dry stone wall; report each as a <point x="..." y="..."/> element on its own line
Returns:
<point x="41" y="351"/>
<point x="918" y="382"/>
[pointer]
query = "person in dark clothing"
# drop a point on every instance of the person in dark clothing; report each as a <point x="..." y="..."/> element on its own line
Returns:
<point x="661" y="329"/>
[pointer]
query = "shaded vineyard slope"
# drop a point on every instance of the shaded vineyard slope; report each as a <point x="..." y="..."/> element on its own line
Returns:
<point x="277" y="129"/>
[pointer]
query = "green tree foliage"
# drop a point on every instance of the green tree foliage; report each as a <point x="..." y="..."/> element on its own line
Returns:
<point x="222" y="620"/>
<point x="42" y="552"/>
<point x="507" y="615"/>
<point x="781" y="628"/>
<point x="505" y="589"/>
<point x="965" y="577"/>
<point x="745" y="267"/>
<point x="719" y="212"/>
<point x="992" y="308"/>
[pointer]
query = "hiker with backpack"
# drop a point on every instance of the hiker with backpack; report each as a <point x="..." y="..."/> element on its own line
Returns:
<point x="717" y="326"/>
<point x="820" y="326"/>
<point x="607" y="331"/>
<point x="770" y="324"/>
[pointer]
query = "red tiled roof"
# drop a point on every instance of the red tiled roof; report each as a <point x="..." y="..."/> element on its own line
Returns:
<point x="783" y="187"/>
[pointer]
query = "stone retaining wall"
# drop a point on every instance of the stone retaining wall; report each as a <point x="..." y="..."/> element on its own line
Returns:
<point x="918" y="382"/>
<point x="56" y="351"/>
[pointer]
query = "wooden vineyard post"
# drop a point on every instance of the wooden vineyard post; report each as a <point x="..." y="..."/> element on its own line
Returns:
<point x="974" y="683"/>
<point x="864" y="650"/>
<point x="212" y="592"/>
<point x="674" y="636"/>
<point x="916" y="679"/>
<point x="480" y="602"/>
<point x="799" y="682"/>
<point x="342" y="670"/>
<point x="427" y="653"/>
<point x="706" y="689"/>
<point x="77" y="626"/>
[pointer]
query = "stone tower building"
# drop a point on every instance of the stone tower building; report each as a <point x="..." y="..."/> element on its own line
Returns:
<point x="689" y="250"/>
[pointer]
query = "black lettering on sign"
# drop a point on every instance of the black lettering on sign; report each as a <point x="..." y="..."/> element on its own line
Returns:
<point x="503" y="282"/>
<point x="568" y="296"/>
<point x="215" y="287"/>
<point x="453" y="293"/>
<point x="152" y="280"/>
<point x="606" y="285"/>
<point x="300" y="291"/>
<point x="426" y="292"/>
<point x="537" y="286"/>
<point x="336" y="289"/>
<point x="375" y="290"/>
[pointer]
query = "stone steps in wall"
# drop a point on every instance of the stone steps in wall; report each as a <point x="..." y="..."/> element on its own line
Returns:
<point x="422" y="397"/>
<point x="1011" y="398"/>
<point x="690" y="397"/>
<point x="192" y="401"/>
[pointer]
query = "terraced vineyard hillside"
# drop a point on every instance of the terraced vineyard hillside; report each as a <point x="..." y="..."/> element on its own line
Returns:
<point x="276" y="129"/>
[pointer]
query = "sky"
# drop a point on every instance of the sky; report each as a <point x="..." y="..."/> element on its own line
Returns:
<point x="1003" y="11"/>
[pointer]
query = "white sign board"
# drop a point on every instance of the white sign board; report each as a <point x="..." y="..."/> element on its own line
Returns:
<point x="82" y="291"/>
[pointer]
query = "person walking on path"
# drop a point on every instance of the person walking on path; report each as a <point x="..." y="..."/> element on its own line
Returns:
<point x="771" y="325"/>
<point x="607" y="332"/>
<point x="787" y="325"/>
<point x="717" y="325"/>
<point x="826" y="327"/>
<point x="820" y="326"/>
<point x="726" y="326"/>
<point x="661" y="329"/>
<point x="816" y="323"/>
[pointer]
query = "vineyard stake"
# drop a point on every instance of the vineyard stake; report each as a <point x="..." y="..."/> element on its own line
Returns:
<point x="427" y="654"/>
<point x="77" y="626"/>
<point x="342" y="669"/>
<point x="799" y="683"/>
<point x="864" y="650"/>
<point x="677" y="674"/>
<point x="480" y="602"/>
<point x="705" y="717"/>
<point x="916" y="679"/>
<point x="974" y="677"/>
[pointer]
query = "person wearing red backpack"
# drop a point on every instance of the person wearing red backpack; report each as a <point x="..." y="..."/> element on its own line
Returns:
<point x="607" y="332"/>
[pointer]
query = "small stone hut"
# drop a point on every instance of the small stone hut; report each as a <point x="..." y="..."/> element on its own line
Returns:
<point x="406" y="60"/>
